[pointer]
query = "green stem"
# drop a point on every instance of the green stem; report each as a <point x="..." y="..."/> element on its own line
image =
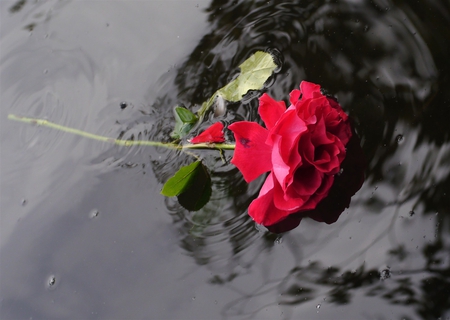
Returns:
<point x="126" y="143"/>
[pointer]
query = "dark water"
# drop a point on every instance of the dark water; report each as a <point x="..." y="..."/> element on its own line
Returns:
<point x="86" y="234"/>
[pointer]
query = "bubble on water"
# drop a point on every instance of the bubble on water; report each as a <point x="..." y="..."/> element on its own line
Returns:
<point x="51" y="282"/>
<point x="385" y="274"/>
<point x="129" y="165"/>
<point x="279" y="240"/>
<point x="123" y="105"/>
<point x="318" y="307"/>
<point x="400" y="138"/>
<point x="94" y="213"/>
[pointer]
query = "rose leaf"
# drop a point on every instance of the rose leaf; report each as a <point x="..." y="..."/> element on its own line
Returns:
<point x="198" y="192"/>
<point x="181" y="180"/>
<point x="184" y="122"/>
<point x="191" y="184"/>
<point x="254" y="73"/>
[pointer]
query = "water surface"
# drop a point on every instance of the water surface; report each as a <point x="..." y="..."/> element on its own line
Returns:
<point x="86" y="234"/>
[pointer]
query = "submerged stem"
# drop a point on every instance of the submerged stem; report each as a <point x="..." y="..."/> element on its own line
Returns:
<point x="126" y="143"/>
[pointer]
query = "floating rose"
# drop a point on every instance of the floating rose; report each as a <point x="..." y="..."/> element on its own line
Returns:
<point x="214" y="134"/>
<point x="302" y="147"/>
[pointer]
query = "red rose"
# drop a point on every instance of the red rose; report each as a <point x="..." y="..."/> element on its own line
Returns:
<point x="213" y="134"/>
<point x="302" y="148"/>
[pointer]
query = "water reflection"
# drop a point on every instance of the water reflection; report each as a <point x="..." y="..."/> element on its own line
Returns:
<point x="385" y="63"/>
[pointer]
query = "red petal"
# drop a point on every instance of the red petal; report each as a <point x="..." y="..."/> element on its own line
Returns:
<point x="270" y="110"/>
<point x="213" y="134"/>
<point x="308" y="89"/>
<point x="294" y="96"/>
<point x="252" y="155"/>
<point x="262" y="209"/>
<point x="284" y="140"/>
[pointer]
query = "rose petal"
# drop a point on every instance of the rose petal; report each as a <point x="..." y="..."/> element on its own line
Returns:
<point x="252" y="154"/>
<point x="263" y="210"/>
<point x="213" y="134"/>
<point x="270" y="110"/>
<point x="294" y="96"/>
<point x="308" y="89"/>
<point x="289" y="127"/>
<point x="280" y="168"/>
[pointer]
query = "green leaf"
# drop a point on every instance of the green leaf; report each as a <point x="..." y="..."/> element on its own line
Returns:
<point x="181" y="180"/>
<point x="184" y="122"/>
<point x="192" y="185"/>
<point x="198" y="193"/>
<point x="185" y="115"/>
<point x="254" y="73"/>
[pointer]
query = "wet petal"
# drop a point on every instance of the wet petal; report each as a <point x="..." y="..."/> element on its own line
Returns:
<point x="263" y="210"/>
<point x="213" y="134"/>
<point x="309" y="90"/>
<point x="252" y="154"/>
<point x="270" y="110"/>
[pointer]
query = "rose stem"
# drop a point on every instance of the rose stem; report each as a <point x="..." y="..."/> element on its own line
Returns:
<point x="126" y="143"/>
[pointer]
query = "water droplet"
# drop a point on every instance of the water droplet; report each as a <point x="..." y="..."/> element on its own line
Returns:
<point x="279" y="240"/>
<point x="94" y="213"/>
<point x="23" y="202"/>
<point x="318" y="307"/>
<point x="400" y="138"/>
<point x="123" y="105"/>
<point x="129" y="164"/>
<point x="51" y="282"/>
<point x="411" y="213"/>
<point x="385" y="274"/>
